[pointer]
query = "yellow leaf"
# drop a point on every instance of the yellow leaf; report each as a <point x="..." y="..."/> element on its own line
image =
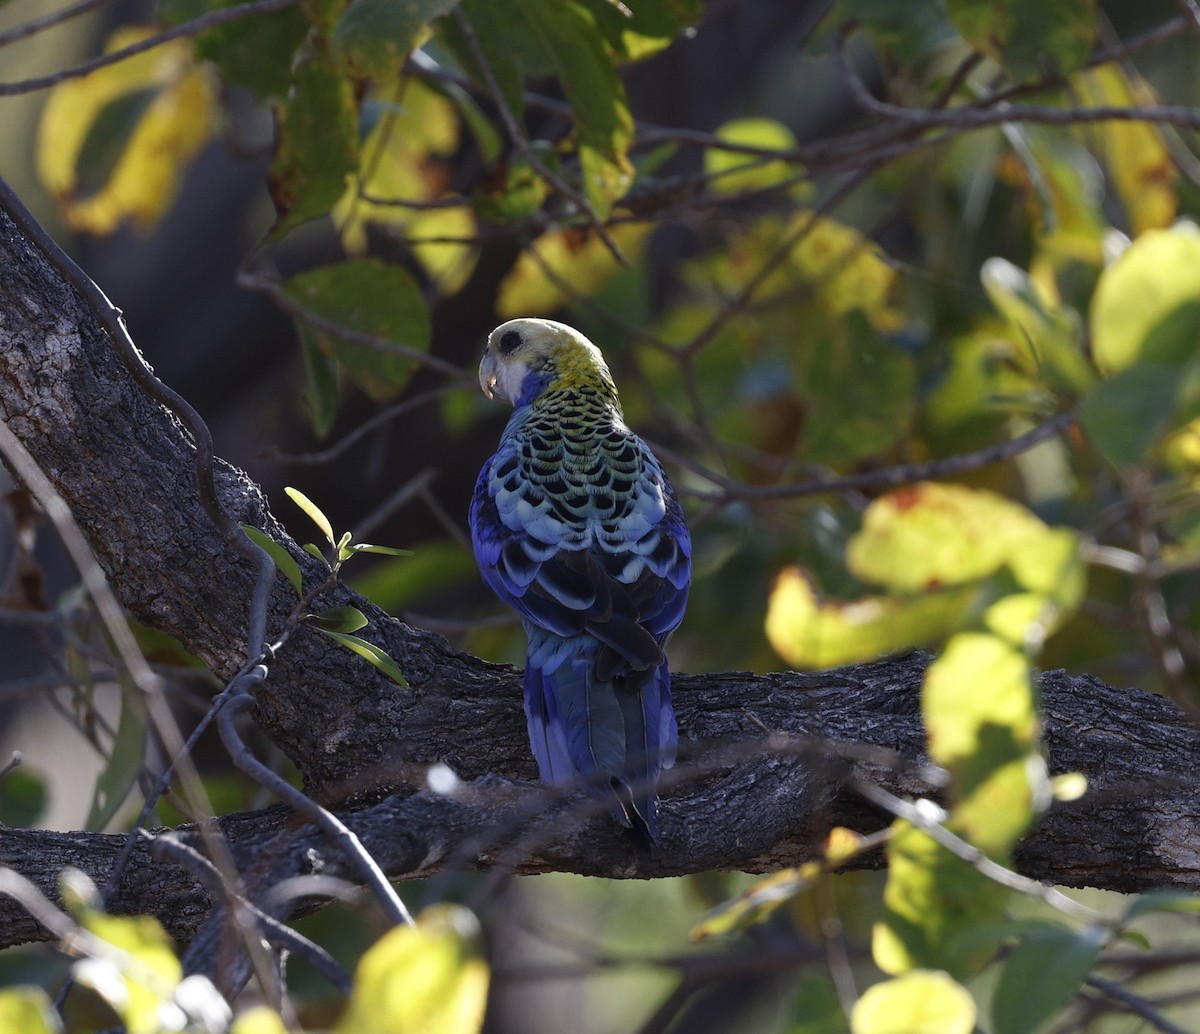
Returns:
<point x="933" y="535"/>
<point x="736" y="171"/>
<point x="28" y="1010"/>
<point x="919" y="1002"/>
<point x="574" y="257"/>
<point x="259" y="1020"/>
<point x="429" y="978"/>
<point x="1156" y="278"/>
<point x="980" y="683"/>
<point x="809" y="632"/>
<point x="139" y="987"/>
<point x="402" y="161"/>
<point x="169" y="114"/>
<point x="1134" y="152"/>
<point x="756" y="903"/>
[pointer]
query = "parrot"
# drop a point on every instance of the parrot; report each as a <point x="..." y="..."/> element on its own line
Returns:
<point x="575" y="525"/>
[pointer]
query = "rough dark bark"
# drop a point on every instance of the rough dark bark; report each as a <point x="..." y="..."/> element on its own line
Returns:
<point x="741" y="797"/>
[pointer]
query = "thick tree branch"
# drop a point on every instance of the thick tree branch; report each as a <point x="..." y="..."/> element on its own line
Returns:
<point x="765" y="758"/>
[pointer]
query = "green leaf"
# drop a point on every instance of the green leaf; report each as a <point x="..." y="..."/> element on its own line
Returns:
<point x="22" y="800"/>
<point x="373" y="37"/>
<point x="1126" y="415"/>
<point x="429" y="977"/>
<point x="1040" y="976"/>
<point x="931" y="900"/>
<point x="313" y="511"/>
<point x="1046" y="334"/>
<point x="339" y="619"/>
<point x="1145" y="306"/>
<point x="316" y="147"/>
<point x="369" y="297"/>
<point x="919" y="1002"/>
<point x="596" y="95"/>
<point x="369" y="652"/>
<point x="125" y="758"/>
<point x="510" y="46"/>
<point x="1030" y="38"/>
<point x="366" y="547"/>
<point x="815" y="1007"/>
<point x="284" y="561"/>
<point x="256" y="52"/>
<point x="978" y="704"/>
<point x="312" y="550"/>
<point x="137" y="991"/>
<point x="28" y="1010"/>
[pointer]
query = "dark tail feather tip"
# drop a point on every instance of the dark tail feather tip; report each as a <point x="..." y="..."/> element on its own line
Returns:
<point x="643" y="835"/>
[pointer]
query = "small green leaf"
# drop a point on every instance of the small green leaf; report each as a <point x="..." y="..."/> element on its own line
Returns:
<point x="371" y="653"/>
<point x="339" y="619"/>
<point x="283" y="559"/>
<point x="921" y="1001"/>
<point x="1040" y="976"/>
<point x="125" y="758"/>
<point x="313" y="511"/>
<point x="366" y="547"/>
<point x="312" y="550"/>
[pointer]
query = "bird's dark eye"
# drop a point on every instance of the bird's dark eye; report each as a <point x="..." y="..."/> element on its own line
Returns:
<point x="510" y="341"/>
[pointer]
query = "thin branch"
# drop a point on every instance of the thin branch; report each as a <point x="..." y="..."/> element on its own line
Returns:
<point x="926" y="816"/>
<point x="192" y="28"/>
<point x="885" y="477"/>
<point x="47" y="21"/>
<point x="324" y="819"/>
<point x="1135" y="1003"/>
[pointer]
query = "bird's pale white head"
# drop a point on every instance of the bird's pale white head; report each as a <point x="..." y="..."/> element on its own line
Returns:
<point x="525" y="357"/>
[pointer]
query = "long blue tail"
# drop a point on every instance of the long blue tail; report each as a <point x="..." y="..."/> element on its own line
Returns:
<point x="615" y="736"/>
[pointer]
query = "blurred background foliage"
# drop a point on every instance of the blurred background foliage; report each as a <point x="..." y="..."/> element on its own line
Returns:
<point x="907" y="296"/>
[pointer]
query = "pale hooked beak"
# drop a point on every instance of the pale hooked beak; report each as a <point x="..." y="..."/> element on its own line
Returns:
<point x="488" y="375"/>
